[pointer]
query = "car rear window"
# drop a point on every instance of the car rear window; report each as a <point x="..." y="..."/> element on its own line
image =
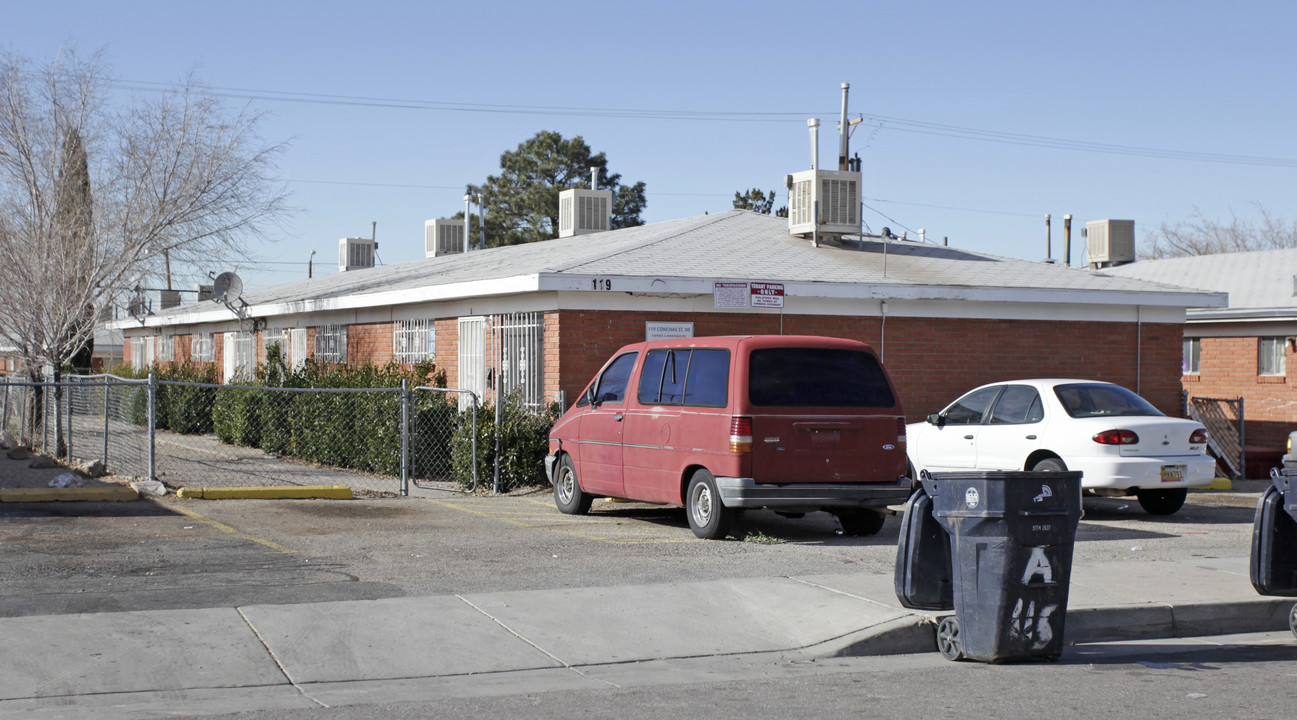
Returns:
<point x="817" y="377"/>
<point x="1101" y="400"/>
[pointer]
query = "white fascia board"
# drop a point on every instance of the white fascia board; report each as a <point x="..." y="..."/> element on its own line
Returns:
<point x="1242" y="315"/>
<point x="867" y="291"/>
<point x="405" y="296"/>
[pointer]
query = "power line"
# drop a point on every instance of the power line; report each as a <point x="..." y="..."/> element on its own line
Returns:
<point x="881" y="121"/>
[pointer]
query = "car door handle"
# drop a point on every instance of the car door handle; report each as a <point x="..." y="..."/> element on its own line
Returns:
<point x="1031" y="437"/>
<point x="968" y="437"/>
<point x="617" y="417"/>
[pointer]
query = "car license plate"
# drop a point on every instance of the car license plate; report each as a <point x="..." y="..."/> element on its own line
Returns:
<point x="1173" y="473"/>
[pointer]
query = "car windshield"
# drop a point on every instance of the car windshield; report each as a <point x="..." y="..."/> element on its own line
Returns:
<point x="817" y="377"/>
<point x="1082" y="400"/>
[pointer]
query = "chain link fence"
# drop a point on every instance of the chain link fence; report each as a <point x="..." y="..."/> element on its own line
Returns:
<point x="385" y="440"/>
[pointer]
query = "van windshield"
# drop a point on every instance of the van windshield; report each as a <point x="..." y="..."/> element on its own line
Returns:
<point x="817" y="377"/>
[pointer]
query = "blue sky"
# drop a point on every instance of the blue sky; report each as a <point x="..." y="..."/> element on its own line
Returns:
<point x="736" y="82"/>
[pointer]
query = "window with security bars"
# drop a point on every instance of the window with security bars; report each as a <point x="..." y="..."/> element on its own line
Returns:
<point x="414" y="341"/>
<point x="277" y="336"/>
<point x="245" y="355"/>
<point x="521" y="337"/>
<point x="1270" y="356"/>
<point x="166" y="349"/>
<point x="331" y="344"/>
<point x="137" y="353"/>
<point x="201" y="348"/>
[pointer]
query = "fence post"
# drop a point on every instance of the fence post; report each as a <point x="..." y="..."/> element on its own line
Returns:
<point x="107" y="390"/>
<point x="405" y="436"/>
<point x="153" y="425"/>
<point x="4" y="412"/>
<point x="474" y="435"/>
<point x="22" y="418"/>
<point x="495" y="486"/>
<point x="67" y="419"/>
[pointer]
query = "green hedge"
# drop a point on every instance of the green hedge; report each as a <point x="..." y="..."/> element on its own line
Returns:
<point x="524" y="442"/>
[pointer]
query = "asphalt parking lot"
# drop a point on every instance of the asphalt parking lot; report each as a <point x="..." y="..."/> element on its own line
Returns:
<point x="181" y="553"/>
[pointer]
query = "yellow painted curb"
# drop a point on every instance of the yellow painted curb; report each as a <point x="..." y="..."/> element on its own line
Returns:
<point x="111" y="492"/>
<point x="328" y="492"/>
<point x="1220" y="483"/>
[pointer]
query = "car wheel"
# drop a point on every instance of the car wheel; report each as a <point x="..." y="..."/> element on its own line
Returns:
<point x="1292" y="620"/>
<point x="568" y="496"/>
<point x="949" y="643"/>
<point x="861" y="522"/>
<point x="1161" y="502"/>
<point x="1049" y="465"/>
<point x="708" y="516"/>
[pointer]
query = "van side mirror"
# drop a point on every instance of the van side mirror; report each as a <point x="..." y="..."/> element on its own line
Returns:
<point x="936" y="419"/>
<point x="590" y="397"/>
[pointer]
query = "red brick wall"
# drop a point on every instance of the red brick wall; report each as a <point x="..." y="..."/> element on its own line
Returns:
<point x="1228" y="370"/>
<point x="369" y="343"/>
<point x="931" y="360"/>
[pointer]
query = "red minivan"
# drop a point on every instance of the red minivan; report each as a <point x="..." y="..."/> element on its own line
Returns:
<point x="720" y="424"/>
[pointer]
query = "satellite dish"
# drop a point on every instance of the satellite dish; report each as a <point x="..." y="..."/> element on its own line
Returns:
<point x="227" y="287"/>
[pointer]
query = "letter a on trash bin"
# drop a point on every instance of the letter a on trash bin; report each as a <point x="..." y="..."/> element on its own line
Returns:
<point x="1038" y="565"/>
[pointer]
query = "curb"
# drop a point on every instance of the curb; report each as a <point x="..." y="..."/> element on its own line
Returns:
<point x="88" y="494"/>
<point x="916" y="633"/>
<point x="327" y="492"/>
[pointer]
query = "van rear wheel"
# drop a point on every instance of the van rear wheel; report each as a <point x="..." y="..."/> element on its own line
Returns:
<point x="568" y="496"/>
<point x="708" y="516"/>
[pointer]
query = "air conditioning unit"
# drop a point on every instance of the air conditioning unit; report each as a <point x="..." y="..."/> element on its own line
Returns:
<point x="443" y="237"/>
<point x="356" y="253"/>
<point x="838" y="195"/>
<point x="581" y="212"/>
<point x="1109" y="242"/>
<point x="169" y="299"/>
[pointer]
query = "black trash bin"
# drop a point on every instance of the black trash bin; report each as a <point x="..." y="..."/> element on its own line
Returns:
<point x="1274" y="540"/>
<point x="923" y="572"/>
<point x="1011" y="535"/>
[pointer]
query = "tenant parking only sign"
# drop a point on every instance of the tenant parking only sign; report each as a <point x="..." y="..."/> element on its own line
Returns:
<point x="767" y="295"/>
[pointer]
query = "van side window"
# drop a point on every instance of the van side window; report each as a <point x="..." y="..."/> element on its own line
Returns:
<point x="650" y="378"/>
<point x="707" y="381"/>
<point x="612" y="384"/>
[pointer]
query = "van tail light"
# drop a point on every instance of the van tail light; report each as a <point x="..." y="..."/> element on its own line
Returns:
<point x="741" y="435"/>
<point x="900" y="429"/>
<point x="1116" y="437"/>
<point x="1199" y="437"/>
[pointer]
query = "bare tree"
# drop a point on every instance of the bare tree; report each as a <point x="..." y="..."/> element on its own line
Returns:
<point x="96" y="196"/>
<point x="1200" y="235"/>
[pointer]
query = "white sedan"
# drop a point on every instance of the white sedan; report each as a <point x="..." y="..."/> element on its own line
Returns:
<point x="1122" y="444"/>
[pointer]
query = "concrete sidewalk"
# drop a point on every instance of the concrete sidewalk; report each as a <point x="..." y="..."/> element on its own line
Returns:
<point x="361" y="652"/>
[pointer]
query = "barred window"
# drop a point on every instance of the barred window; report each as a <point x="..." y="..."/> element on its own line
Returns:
<point x="137" y="353"/>
<point x="166" y="349"/>
<point x="331" y="344"/>
<point x="245" y="355"/>
<point x="277" y="336"/>
<point x="413" y="341"/>
<point x="1270" y="356"/>
<point x="201" y="348"/>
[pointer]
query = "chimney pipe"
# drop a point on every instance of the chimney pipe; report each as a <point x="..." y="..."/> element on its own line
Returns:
<point x="1067" y="239"/>
<point x="842" y="131"/>
<point x="1049" y="241"/>
<point x="468" y="224"/>
<point x="594" y="178"/>
<point x="814" y="125"/>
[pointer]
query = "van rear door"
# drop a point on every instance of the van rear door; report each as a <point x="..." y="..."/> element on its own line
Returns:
<point x="823" y="415"/>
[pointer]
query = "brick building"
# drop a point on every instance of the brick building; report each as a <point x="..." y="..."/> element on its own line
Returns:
<point x="542" y="318"/>
<point x="1244" y="351"/>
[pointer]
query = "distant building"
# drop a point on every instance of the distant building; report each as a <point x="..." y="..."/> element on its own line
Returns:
<point x="1245" y="350"/>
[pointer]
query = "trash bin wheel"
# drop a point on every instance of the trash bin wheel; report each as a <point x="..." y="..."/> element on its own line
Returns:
<point x="1292" y="620"/>
<point x="949" y="643"/>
